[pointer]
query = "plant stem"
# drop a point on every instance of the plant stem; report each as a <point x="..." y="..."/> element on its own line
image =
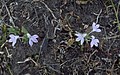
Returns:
<point x="116" y="13"/>
<point x="11" y="19"/>
<point x="9" y="70"/>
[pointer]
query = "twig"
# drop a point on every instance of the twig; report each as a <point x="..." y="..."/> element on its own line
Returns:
<point x="98" y="15"/>
<point x="28" y="59"/>
<point x="11" y="19"/>
<point x="116" y="12"/>
<point x="8" y="67"/>
<point x="113" y="37"/>
<point x="41" y="46"/>
<point x="91" y="56"/>
<point x="4" y="44"/>
<point x="8" y="54"/>
<point x="58" y="71"/>
<point x="56" y="27"/>
<point x="111" y="45"/>
<point x="49" y="10"/>
<point x="68" y="61"/>
<point x="112" y="69"/>
<point x="33" y="61"/>
<point x="1" y="52"/>
<point x="23" y="69"/>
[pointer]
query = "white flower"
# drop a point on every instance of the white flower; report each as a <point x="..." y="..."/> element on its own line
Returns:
<point x="32" y="39"/>
<point x="96" y="27"/>
<point x="80" y="37"/>
<point x="94" y="41"/>
<point x="13" y="39"/>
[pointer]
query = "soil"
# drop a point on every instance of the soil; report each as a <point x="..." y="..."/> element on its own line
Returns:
<point x="57" y="53"/>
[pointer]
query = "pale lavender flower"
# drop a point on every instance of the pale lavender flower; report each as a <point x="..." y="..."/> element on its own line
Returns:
<point x="32" y="39"/>
<point x="13" y="39"/>
<point x="80" y="37"/>
<point x="94" y="41"/>
<point x="96" y="27"/>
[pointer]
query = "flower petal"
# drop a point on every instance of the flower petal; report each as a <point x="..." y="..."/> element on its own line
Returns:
<point x="97" y="26"/>
<point x="77" y="39"/>
<point x="78" y="34"/>
<point x="96" y="44"/>
<point x="13" y="43"/>
<point x="84" y="34"/>
<point x="28" y="35"/>
<point x="33" y="39"/>
<point x="35" y="36"/>
<point x="16" y="37"/>
<point x="93" y="25"/>
<point x="10" y="40"/>
<point x="97" y="40"/>
<point x="13" y="39"/>
<point x="93" y="37"/>
<point x="82" y="41"/>
<point x="91" y="43"/>
<point x="98" y="30"/>
<point x="30" y="42"/>
<point x="94" y="41"/>
<point x="11" y="35"/>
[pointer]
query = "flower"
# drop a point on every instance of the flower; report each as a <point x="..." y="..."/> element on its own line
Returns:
<point x="32" y="39"/>
<point x="94" y="41"/>
<point x="80" y="37"/>
<point x="13" y="39"/>
<point x="95" y="27"/>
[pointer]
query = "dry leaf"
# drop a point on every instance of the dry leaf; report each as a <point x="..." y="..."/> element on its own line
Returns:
<point x="1" y="52"/>
<point x="70" y="41"/>
<point x="82" y="1"/>
<point x="28" y="59"/>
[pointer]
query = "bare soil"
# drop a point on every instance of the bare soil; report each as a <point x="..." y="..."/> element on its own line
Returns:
<point x="55" y="21"/>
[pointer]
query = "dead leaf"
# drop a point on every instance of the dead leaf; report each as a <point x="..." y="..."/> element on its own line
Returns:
<point x="70" y="41"/>
<point x="82" y="1"/>
<point x="1" y="52"/>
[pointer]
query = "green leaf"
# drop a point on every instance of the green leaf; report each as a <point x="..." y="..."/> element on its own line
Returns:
<point x="4" y="34"/>
<point x="119" y="27"/>
<point x="4" y="28"/>
<point x="13" y="30"/>
<point x="2" y="39"/>
<point x="25" y="38"/>
<point x="24" y="30"/>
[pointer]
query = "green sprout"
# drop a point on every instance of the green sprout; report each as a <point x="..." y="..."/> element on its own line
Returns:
<point x="116" y="13"/>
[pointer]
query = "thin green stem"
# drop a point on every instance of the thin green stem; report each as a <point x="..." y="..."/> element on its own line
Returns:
<point x="118" y="7"/>
<point x="9" y="70"/>
<point x="116" y="12"/>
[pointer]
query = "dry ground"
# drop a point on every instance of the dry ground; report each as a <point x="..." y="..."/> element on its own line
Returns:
<point x="57" y="53"/>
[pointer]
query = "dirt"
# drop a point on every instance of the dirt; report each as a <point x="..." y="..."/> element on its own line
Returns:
<point x="57" y="53"/>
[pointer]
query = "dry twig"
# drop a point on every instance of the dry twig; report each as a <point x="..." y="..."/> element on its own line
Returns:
<point x="49" y="9"/>
<point x="11" y="19"/>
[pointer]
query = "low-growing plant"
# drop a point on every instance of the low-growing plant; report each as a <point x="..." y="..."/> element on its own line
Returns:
<point x="86" y="37"/>
<point x="14" y="33"/>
